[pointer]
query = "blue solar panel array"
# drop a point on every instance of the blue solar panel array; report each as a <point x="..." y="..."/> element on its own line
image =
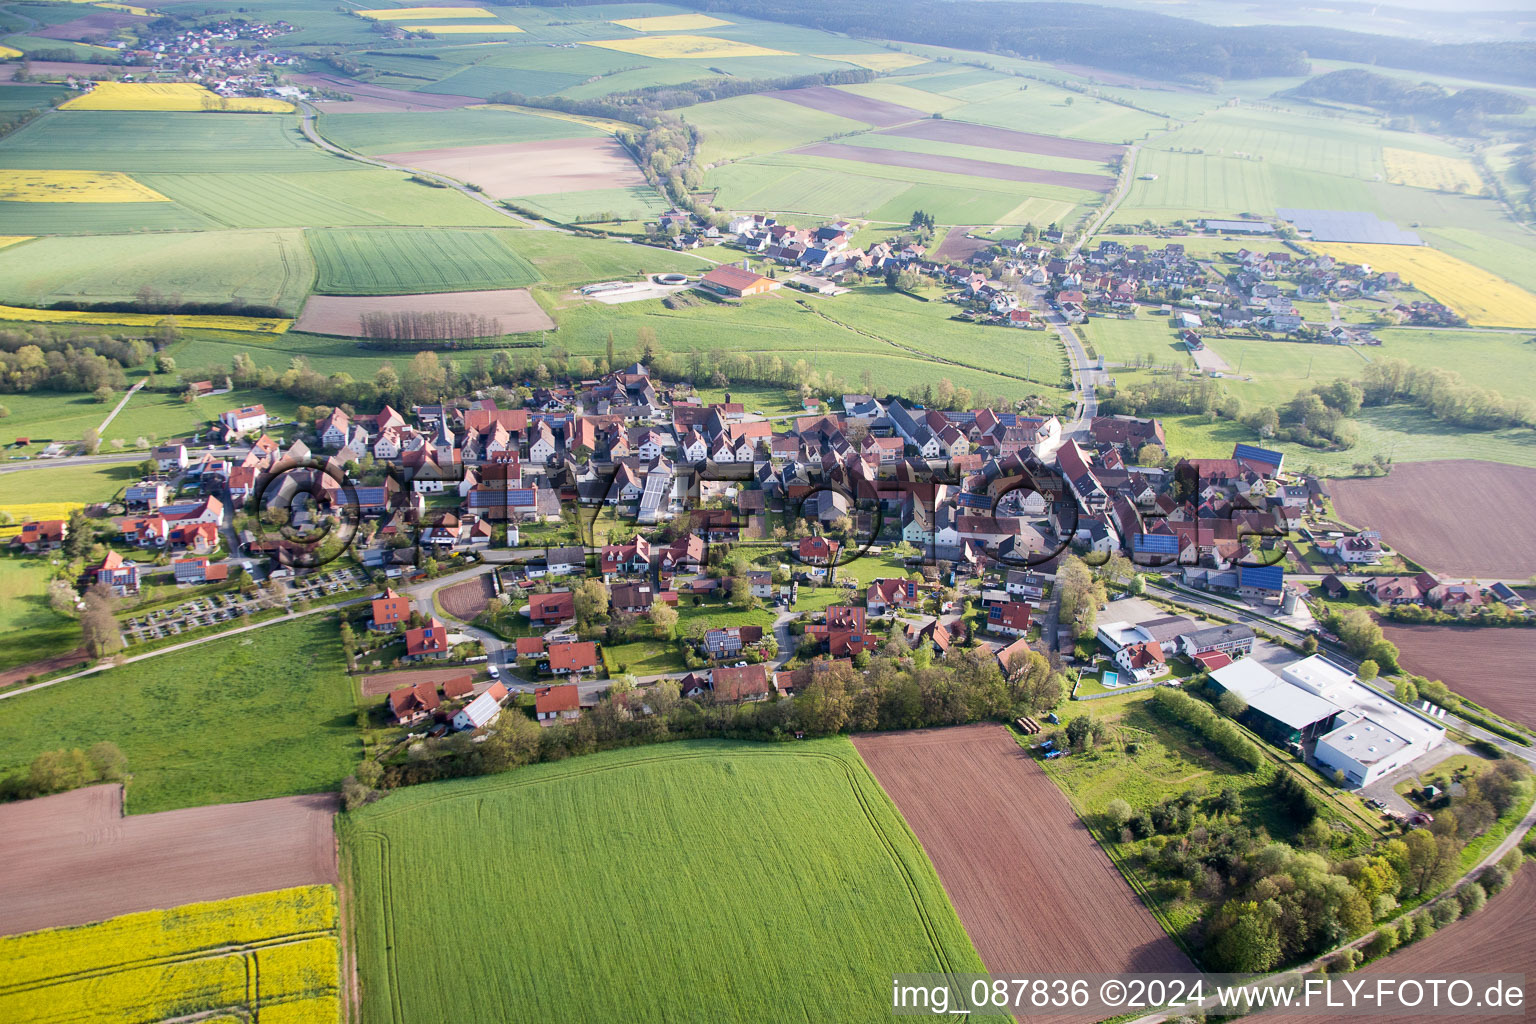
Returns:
<point x="1349" y="226"/>
<point x="1156" y="544"/>
<point x="1265" y="577"/>
<point x="1257" y="454"/>
<point x="968" y="500"/>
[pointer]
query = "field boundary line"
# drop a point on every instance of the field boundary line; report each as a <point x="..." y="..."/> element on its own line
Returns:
<point x="189" y="956"/>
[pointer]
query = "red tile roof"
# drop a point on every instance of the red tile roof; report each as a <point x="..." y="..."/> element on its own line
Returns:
<point x="555" y="699"/>
<point x="579" y="657"/>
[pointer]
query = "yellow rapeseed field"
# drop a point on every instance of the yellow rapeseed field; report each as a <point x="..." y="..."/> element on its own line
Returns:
<point x="126" y="8"/>
<point x="74" y="187"/>
<point x="466" y="30"/>
<point x="888" y="61"/>
<point x="685" y="47"/>
<point x="1485" y="299"/>
<point x="258" y="325"/>
<point x="423" y="13"/>
<point x="12" y="516"/>
<point x="170" y="96"/>
<point x="278" y="947"/>
<point x="1426" y="170"/>
<point x="6" y="240"/>
<point x="670" y="23"/>
<point x="7" y="52"/>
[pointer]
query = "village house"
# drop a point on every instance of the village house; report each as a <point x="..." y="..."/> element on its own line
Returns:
<point x="557" y="703"/>
<point x="481" y="711"/>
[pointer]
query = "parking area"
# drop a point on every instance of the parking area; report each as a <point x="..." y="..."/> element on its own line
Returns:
<point x="215" y="609"/>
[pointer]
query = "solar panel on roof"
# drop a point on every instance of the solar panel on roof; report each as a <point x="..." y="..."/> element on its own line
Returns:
<point x="1267" y="577"/>
<point x="1157" y="543"/>
<point x="1257" y="454"/>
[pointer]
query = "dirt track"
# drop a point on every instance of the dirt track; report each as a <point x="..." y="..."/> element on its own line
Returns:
<point x="851" y="105"/>
<point x="961" y="133"/>
<point x="531" y="168"/>
<point x="1454" y="516"/>
<point x="21" y="673"/>
<point x="73" y="858"/>
<point x="960" y="165"/>
<point x="1491" y="666"/>
<point x="513" y="309"/>
<point x="1497" y="939"/>
<point x="1032" y="888"/>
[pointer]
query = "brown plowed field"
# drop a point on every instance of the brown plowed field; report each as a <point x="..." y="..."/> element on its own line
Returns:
<point x="395" y="99"/>
<point x="73" y="858"/>
<point x="1458" y="516"/>
<point x="52" y="68"/>
<point x="961" y="133"/>
<point x="1498" y="939"/>
<point x="1032" y="888"/>
<point x="385" y="682"/>
<point x="468" y="599"/>
<point x="531" y="168"/>
<point x="960" y="165"/>
<point x="513" y="309"/>
<point x="91" y="28"/>
<point x="957" y="247"/>
<point x="847" y="104"/>
<point x="1491" y="666"/>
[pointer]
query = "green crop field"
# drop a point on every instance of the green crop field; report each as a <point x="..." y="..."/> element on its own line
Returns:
<point x="1032" y="106"/>
<point x="326" y="199"/>
<point x="757" y="125"/>
<point x="772" y="185"/>
<point x="389" y="261"/>
<point x="268" y="713"/>
<point x="563" y="259"/>
<point x="31" y="628"/>
<point x="599" y="205"/>
<point x="266" y="267"/>
<point x="1193" y="185"/>
<point x="134" y="141"/>
<point x="398" y="133"/>
<point x="816" y="860"/>
<point x="486" y="80"/>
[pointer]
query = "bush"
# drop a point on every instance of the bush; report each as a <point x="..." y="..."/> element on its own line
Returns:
<point x="1385" y="940"/>
<point x="1117" y="813"/>
<point x="1493" y="879"/>
<point x="1422" y="925"/>
<point x="1444" y="912"/>
<point x="1472" y="897"/>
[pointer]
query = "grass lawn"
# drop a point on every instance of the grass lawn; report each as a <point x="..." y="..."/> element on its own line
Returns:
<point x="67" y="483"/>
<point x="734" y="855"/>
<point x="269" y="713"/>
<point x="642" y="658"/>
<point x="31" y="629"/>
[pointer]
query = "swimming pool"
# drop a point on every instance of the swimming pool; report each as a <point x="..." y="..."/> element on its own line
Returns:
<point x="1110" y="679"/>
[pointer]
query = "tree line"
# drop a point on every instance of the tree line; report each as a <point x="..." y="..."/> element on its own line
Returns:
<point x="1398" y="96"/>
<point x="901" y="688"/>
<point x="66" y="359"/>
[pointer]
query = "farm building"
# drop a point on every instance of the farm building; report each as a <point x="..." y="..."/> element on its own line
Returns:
<point x="737" y="281"/>
<point x="1349" y="727"/>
